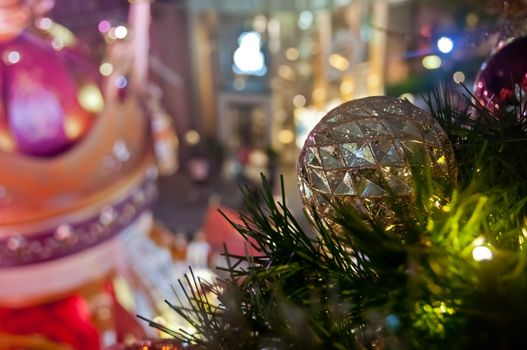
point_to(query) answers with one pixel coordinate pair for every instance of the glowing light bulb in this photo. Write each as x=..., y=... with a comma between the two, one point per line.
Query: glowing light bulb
x=106, y=69
x=299, y=101
x=248, y=59
x=292, y=54
x=44, y=23
x=192, y=137
x=339, y=62
x=57, y=44
x=432, y=62
x=445, y=44
x=459, y=77
x=286, y=136
x=12, y=57
x=72, y=128
x=6, y=145
x=481, y=253
x=90, y=98
x=121, y=32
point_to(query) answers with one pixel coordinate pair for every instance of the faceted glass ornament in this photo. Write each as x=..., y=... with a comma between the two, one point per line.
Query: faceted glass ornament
x=362, y=153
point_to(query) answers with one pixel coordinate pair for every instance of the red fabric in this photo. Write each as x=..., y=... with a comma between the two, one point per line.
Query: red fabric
x=65, y=321
x=218, y=231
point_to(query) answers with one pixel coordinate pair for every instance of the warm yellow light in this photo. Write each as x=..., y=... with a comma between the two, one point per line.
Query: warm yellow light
x=62, y=36
x=299, y=101
x=319, y=94
x=111, y=34
x=192, y=137
x=432, y=62
x=292, y=53
x=286, y=136
x=481, y=253
x=347, y=87
x=160, y=319
x=72, y=128
x=472, y=20
x=258, y=158
x=260, y=23
x=286, y=72
x=6, y=142
x=374, y=80
x=479, y=241
x=106, y=69
x=339, y=62
x=90, y=98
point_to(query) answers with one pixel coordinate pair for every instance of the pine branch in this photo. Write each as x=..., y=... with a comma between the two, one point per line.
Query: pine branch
x=359, y=285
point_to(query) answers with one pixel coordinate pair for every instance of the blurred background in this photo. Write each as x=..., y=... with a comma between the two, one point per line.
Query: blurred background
x=146, y=117
x=245, y=81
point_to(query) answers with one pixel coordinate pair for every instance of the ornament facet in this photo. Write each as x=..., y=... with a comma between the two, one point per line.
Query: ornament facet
x=360, y=154
x=503, y=77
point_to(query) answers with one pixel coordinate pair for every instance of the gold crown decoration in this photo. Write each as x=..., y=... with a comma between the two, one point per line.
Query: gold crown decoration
x=70, y=207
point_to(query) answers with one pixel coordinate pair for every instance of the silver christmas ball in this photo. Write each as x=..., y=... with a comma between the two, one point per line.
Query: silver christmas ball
x=361, y=154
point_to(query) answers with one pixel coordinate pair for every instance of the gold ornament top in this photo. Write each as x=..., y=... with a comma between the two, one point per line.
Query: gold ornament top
x=361, y=153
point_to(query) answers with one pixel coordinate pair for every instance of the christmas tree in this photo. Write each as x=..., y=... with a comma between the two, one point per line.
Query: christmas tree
x=419, y=231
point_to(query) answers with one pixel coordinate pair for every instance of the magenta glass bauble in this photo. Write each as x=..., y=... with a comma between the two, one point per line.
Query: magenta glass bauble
x=503, y=77
x=48, y=97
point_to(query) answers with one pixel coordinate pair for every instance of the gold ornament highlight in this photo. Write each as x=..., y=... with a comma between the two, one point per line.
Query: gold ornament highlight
x=361, y=154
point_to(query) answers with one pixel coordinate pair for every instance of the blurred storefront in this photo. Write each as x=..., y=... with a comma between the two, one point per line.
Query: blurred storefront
x=264, y=72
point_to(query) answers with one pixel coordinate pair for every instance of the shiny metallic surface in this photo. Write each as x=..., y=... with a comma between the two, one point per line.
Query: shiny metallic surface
x=362, y=153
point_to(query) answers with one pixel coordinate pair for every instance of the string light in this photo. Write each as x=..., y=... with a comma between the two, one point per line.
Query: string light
x=299, y=101
x=339, y=62
x=90, y=98
x=11, y=57
x=459, y=77
x=445, y=44
x=248, y=57
x=106, y=69
x=432, y=62
x=43, y=23
x=292, y=54
x=121, y=32
x=192, y=137
x=481, y=253
x=286, y=136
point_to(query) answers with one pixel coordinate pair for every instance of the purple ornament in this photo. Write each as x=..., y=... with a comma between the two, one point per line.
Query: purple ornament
x=503, y=77
x=41, y=96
